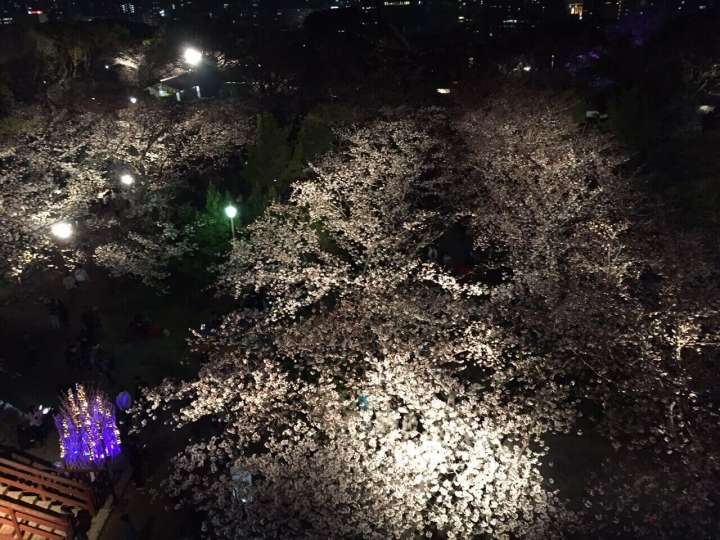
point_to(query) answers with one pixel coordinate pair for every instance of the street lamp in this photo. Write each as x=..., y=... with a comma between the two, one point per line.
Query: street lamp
x=192, y=56
x=62, y=230
x=133, y=100
x=443, y=91
x=231, y=212
x=127, y=179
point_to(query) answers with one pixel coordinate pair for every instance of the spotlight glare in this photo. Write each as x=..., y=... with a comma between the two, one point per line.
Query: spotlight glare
x=62, y=230
x=192, y=56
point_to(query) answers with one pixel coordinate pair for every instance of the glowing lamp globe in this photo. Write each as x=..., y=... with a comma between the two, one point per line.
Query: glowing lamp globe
x=127, y=179
x=192, y=56
x=231, y=211
x=62, y=230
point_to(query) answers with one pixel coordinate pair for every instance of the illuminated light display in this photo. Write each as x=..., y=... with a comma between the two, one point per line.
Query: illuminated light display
x=88, y=432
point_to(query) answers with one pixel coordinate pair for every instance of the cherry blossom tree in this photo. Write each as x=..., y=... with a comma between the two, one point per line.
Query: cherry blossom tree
x=353, y=361
x=70, y=168
x=440, y=299
x=626, y=306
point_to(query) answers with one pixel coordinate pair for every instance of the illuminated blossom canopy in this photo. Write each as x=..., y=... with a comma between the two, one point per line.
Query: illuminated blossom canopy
x=89, y=435
x=71, y=170
x=443, y=301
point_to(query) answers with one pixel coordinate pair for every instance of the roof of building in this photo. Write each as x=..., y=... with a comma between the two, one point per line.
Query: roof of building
x=188, y=80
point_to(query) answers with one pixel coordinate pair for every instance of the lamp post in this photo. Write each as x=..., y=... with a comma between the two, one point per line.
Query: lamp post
x=231, y=212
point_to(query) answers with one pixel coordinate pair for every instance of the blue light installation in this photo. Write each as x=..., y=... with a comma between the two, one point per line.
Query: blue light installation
x=88, y=432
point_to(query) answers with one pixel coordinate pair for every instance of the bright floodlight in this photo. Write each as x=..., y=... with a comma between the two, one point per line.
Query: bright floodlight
x=133, y=100
x=192, y=56
x=62, y=230
x=231, y=211
x=127, y=179
x=443, y=90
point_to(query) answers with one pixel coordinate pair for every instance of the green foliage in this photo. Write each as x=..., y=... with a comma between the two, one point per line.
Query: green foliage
x=332, y=114
x=635, y=118
x=279, y=157
x=157, y=53
x=37, y=58
x=213, y=229
x=688, y=175
x=315, y=139
x=266, y=164
x=211, y=233
x=12, y=126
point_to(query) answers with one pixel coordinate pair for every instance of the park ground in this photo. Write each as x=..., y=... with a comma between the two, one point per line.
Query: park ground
x=35, y=370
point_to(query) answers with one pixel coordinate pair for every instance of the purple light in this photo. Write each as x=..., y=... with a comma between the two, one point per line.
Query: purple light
x=123, y=401
x=88, y=432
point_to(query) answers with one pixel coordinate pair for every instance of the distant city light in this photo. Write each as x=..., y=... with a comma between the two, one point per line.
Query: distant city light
x=443, y=90
x=133, y=100
x=107, y=66
x=192, y=56
x=62, y=230
x=127, y=179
